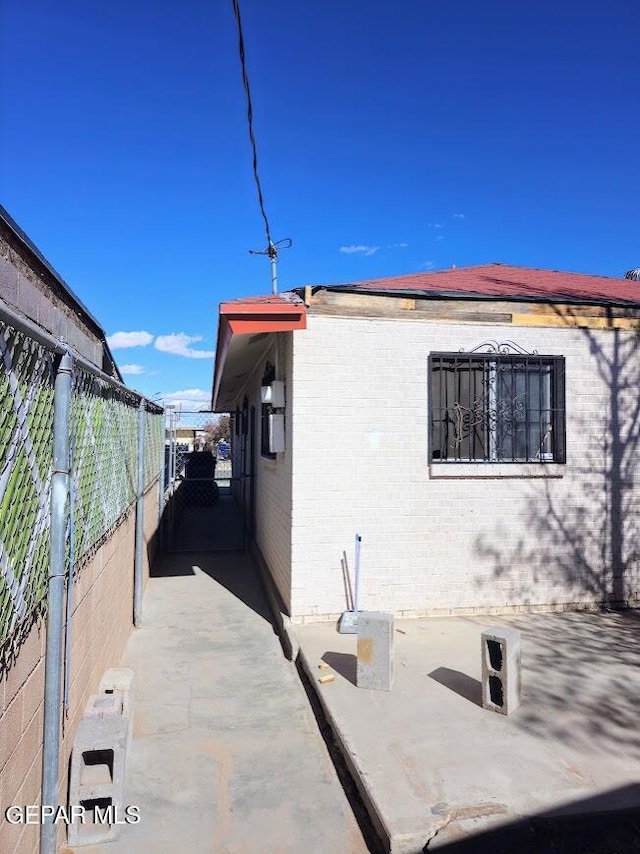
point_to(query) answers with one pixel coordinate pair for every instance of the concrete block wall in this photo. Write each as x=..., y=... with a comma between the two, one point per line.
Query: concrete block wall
x=101, y=623
x=438, y=538
x=22, y=287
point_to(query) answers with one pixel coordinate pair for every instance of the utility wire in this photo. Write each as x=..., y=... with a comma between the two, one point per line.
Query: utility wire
x=271, y=249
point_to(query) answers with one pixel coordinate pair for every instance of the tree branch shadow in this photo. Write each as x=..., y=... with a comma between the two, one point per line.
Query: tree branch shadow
x=581, y=545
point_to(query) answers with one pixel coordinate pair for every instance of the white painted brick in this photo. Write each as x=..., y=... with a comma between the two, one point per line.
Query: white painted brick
x=360, y=465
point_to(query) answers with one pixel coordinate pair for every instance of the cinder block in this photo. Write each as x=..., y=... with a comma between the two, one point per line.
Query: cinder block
x=98, y=762
x=104, y=705
x=120, y=679
x=8, y=281
x=375, y=651
x=501, y=669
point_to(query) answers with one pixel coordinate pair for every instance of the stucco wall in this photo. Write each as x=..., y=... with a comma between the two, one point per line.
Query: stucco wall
x=101, y=624
x=440, y=539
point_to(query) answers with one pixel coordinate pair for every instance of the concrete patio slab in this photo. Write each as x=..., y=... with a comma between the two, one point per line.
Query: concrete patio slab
x=435, y=767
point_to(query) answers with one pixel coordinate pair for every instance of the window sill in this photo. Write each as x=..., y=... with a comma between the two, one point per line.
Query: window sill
x=493, y=471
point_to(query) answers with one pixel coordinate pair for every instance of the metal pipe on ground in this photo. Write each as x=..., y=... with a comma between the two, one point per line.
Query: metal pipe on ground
x=55, y=602
x=137, y=567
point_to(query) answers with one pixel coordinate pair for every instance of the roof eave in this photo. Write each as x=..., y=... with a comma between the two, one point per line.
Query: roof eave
x=251, y=318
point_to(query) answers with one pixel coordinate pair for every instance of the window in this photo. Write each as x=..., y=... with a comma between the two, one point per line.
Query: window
x=496, y=407
x=268, y=377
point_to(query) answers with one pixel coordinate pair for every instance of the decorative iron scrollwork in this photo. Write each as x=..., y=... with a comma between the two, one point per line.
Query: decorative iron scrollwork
x=501, y=348
x=501, y=419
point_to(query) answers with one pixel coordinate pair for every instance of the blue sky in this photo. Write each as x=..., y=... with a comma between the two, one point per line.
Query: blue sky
x=393, y=138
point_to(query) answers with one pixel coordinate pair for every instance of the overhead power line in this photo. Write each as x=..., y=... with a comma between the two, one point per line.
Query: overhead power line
x=272, y=248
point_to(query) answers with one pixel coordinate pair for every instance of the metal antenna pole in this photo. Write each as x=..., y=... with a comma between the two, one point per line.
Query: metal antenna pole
x=273, y=258
x=272, y=252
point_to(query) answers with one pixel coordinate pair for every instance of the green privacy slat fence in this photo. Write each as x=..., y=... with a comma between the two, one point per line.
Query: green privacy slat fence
x=153, y=442
x=26, y=448
x=103, y=431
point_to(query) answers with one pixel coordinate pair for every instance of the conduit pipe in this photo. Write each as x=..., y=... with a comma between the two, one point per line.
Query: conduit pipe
x=137, y=567
x=55, y=602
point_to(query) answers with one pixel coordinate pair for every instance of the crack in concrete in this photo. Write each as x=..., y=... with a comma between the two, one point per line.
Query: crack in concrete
x=465, y=813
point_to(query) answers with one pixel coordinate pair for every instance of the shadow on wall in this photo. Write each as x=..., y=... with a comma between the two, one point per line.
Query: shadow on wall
x=583, y=533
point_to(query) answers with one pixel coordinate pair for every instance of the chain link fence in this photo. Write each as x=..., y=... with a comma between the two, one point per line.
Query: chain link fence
x=26, y=447
x=154, y=433
x=103, y=455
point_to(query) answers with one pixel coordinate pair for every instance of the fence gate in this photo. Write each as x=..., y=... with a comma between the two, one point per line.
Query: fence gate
x=200, y=512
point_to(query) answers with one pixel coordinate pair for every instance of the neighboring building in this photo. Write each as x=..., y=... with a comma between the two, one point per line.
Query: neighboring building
x=40, y=318
x=477, y=427
x=30, y=285
x=187, y=436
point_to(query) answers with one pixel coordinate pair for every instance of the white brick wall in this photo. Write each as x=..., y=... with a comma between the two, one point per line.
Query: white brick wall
x=273, y=477
x=360, y=464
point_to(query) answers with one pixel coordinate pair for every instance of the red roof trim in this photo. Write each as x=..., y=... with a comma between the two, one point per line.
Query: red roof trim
x=250, y=317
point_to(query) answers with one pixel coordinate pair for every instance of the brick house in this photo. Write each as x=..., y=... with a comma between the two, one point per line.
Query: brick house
x=41, y=318
x=477, y=427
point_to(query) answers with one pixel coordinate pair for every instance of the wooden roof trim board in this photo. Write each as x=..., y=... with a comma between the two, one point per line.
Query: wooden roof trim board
x=437, y=309
x=495, y=281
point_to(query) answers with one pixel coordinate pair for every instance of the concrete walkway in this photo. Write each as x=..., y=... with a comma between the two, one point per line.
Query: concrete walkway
x=226, y=757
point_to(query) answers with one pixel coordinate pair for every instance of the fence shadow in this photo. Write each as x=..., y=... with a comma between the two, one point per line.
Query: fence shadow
x=233, y=569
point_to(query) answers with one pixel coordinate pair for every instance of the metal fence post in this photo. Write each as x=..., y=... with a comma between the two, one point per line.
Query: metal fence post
x=55, y=602
x=172, y=477
x=139, y=537
x=163, y=476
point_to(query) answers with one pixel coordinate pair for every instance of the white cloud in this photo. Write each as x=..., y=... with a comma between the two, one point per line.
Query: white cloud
x=435, y=225
x=428, y=265
x=440, y=237
x=188, y=399
x=397, y=246
x=179, y=345
x=458, y=216
x=121, y=340
x=365, y=250
x=132, y=369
